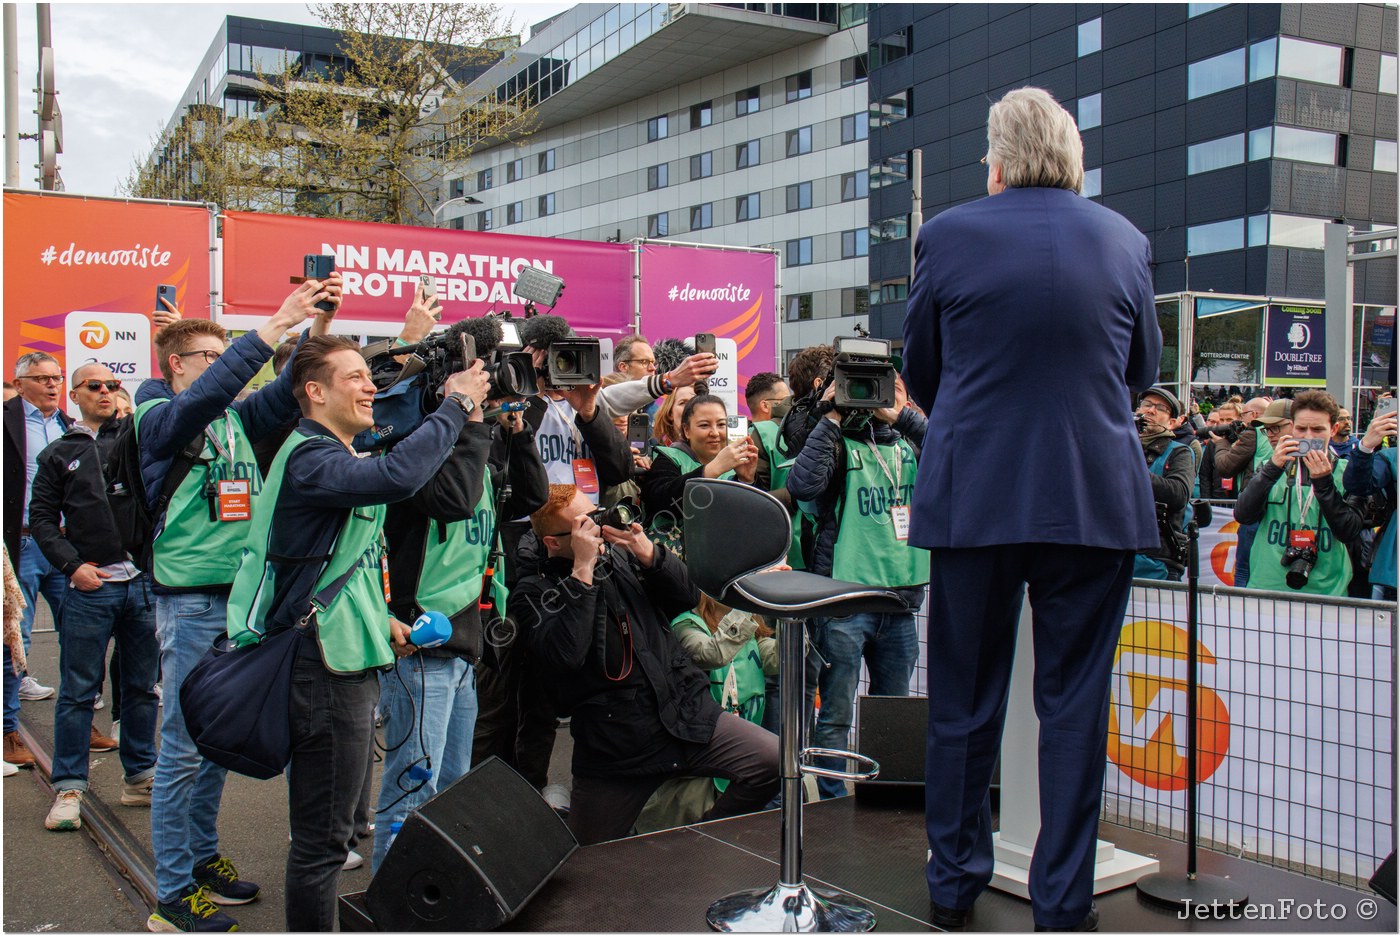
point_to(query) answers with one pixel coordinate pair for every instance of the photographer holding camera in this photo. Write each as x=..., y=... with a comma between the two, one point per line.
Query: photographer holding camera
x=597, y=609
x=1170, y=464
x=1371, y=473
x=1297, y=498
x=1222, y=428
x=855, y=474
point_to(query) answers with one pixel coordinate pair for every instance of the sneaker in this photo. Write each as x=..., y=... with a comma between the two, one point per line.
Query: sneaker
x=117, y=731
x=160, y=696
x=138, y=794
x=9, y=768
x=353, y=861
x=65, y=814
x=190, y=912
x=31, y=690
x=98, y=704
x=16, y=752
x=221, y=884
x=99, y=743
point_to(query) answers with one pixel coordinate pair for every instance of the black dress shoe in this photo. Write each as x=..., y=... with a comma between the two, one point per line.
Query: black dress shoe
x=946, y=918
x=1090, y=923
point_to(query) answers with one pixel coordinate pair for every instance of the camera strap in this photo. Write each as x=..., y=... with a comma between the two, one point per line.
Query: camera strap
x=1304, y=503
x=893, y=478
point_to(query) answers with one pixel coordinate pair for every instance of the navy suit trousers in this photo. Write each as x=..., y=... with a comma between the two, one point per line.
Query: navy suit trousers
x=1078, y=596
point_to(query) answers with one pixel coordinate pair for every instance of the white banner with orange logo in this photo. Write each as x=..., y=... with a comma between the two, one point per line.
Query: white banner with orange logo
x=1294, y=724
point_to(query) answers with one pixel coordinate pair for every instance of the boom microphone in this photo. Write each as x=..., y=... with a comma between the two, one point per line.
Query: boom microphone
x=486, y=332
x=541, y=331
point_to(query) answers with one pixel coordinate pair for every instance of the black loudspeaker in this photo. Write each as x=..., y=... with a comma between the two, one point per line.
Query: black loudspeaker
x=471, y=857
x=893, y=731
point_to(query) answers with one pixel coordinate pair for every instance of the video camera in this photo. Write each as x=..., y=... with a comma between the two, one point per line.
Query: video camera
x=571, y=360
x=864, y=373
x=438, y=356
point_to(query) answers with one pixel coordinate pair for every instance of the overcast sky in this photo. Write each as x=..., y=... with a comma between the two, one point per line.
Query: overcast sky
x=120, y=69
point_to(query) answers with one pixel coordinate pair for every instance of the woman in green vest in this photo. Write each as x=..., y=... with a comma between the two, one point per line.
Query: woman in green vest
x=704, y=450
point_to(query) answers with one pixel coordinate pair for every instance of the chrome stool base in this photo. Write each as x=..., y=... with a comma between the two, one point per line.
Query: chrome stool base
x=786, y=908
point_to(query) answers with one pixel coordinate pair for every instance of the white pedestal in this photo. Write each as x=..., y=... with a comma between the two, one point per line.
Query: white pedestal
x=1020, y=790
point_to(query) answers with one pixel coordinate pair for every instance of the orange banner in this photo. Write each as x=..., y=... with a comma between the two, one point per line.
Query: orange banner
x=81, y=273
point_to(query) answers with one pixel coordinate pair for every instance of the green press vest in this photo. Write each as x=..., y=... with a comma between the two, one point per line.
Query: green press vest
x=747, y=669
x=867, y=551
x=194, y=550
x=1330, y=575
x=353, y=629
x=454, y=560
x=779, y=464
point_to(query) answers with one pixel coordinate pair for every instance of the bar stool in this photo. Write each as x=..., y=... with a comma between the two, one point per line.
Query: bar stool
x=733, y=531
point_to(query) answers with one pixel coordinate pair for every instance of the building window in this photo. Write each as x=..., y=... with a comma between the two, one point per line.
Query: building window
x=1309, y=61
x=701, y=115
x=702, y=216
x=656, y=128
x=890, y=48
x=546, y=205
x=799, y=307
x=851, y=14
x=746, y=207
x=855, y=243
x=855, y=185
x=1263, y=59
x=889, y=290
x=889, y=171
x=1257, y=230
x=854, y=70
x=483, y=220
x=515, y=212
x=799, y=86
x=891, y=110
x=1384, y=160
x=799, y=141
x=1215, y=74
x=798, y=252
x=1287, y=230
x=1215, y=238
x=1090, y=111
x=657, y=176
x=457, y=224
x=546, y=161
x=701, y=166
x=483, y=180
x=888, y=229
x=1215, y=154
x=746, y=154
x=855, y=127
x=746, y=102
x=1386, y=85
x=799, y=196
x=515, y=170
x=1294, y=143
x=456, y=188
x=1196, y=9
x=855, y=301
x=1093, y=183
x=1090, y=36
x=659, y=225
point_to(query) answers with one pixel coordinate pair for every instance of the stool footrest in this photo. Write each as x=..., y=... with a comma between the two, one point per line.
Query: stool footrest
x=870, y=771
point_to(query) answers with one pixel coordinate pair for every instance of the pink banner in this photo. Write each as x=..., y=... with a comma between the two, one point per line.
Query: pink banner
x=732, y=293
x=381, y=264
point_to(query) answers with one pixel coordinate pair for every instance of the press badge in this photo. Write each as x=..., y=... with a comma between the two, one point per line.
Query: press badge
x=585, y=475
x=1302, y=538
x=900, y=516
x=235, y=501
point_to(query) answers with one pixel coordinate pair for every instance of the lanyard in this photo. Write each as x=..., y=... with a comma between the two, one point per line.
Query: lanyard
x=885, y=470
x=1304, y=505
x=226, y=454
x=567, y=420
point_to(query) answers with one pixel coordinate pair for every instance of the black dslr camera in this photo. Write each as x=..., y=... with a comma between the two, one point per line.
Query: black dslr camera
x=1299, y=562
x=621, y=516
x=864, y=373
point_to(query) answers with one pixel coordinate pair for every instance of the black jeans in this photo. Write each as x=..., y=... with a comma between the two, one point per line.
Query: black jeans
x=332, y=720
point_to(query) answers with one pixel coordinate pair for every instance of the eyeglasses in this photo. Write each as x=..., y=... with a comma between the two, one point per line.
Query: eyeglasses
x=46, y=379
x=1154, y=407
x=645, y=362
x=1274, y=429
x=209, y=356
x=95, y=386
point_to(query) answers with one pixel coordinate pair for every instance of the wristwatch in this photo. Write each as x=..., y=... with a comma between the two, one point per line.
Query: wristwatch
x=463, y=400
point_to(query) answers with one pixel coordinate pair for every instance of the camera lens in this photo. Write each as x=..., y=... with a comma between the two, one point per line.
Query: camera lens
x=862, y=389
x=566, y=362
x=624, y=515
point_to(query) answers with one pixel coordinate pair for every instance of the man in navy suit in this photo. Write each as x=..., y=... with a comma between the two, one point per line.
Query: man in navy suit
x=1031, y=310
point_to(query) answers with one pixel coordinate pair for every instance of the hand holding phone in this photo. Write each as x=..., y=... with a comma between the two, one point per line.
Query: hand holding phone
x=319, y=266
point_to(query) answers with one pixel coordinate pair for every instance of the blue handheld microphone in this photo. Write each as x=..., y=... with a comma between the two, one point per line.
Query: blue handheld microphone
x=430, y=630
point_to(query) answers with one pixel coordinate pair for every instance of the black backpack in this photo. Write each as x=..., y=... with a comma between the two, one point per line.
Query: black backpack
x=136, y=518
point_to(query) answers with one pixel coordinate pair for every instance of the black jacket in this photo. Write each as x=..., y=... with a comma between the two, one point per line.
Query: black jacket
x=16, y=475
x=450, y=496
x=1345, y=521
x=1173, y=487
x=72, y=487
x=639, y=705
x=612, y=456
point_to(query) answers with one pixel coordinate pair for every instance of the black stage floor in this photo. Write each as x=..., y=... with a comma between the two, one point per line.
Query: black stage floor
x=664, y=882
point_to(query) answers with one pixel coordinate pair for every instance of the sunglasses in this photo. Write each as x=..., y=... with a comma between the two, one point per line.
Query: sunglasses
x=95, y=386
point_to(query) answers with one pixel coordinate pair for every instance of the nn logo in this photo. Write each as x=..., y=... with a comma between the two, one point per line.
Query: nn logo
x=94, y=335
x=1147, y=727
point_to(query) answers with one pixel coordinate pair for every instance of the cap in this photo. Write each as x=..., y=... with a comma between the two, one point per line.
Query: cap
x=1280, y=410
x=1165, y=395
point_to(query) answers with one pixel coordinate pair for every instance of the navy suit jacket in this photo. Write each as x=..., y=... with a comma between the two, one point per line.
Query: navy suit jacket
x=1030, y=323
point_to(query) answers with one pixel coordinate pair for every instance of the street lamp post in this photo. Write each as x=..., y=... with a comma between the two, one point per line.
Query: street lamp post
x=464, y=199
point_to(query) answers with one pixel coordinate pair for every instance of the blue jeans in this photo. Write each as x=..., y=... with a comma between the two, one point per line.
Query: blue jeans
x=36, y=576
x=1244, y=541
x=889, y=644
x=120, y=609
x=438, y=694
x=185, y=800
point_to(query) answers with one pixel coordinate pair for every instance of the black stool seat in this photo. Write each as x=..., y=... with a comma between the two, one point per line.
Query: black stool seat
x=801, y=594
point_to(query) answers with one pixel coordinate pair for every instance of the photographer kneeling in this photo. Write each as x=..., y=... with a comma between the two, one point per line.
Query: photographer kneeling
x=316, y=553
x=598, y=621
x=1172, y=471
x=1297, y=498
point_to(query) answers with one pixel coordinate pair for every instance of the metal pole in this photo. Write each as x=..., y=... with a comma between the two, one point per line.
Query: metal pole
x=791, y=688
x=916, y=206
x=1337, y=289
x=41, y=13
x=11, y=96
x=1193, y=600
